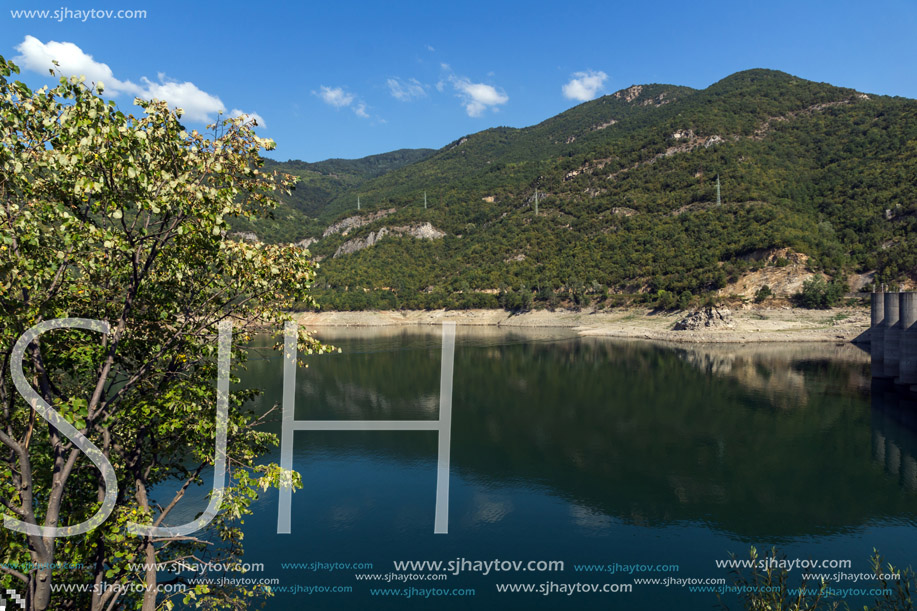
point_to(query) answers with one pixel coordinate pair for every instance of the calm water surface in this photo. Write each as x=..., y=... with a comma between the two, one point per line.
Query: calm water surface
x=589, y=451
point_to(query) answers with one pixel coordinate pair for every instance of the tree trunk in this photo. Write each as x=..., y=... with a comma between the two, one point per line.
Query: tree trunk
x=149, y=597
x=40, y=579
x=98, y=601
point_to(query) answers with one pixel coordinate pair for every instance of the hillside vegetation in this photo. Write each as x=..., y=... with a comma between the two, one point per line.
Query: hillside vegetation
x=307, y=211
x=627, y=200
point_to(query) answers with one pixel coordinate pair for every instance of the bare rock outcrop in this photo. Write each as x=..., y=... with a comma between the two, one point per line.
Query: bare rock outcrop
x=783, y=272
x=421, y=232
x=244, y=236
x=714, y=139
x=657, y=101
x=630, y=94
x=706, y=318
x=352, y=222
x=426, y=231
x=604, y=125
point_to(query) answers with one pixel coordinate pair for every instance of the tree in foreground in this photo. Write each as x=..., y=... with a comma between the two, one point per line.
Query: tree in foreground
x=123, y=219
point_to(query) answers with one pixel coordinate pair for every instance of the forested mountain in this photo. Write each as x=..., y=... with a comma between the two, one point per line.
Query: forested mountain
x=305, y=213
x=627, y=200
x=319, y=183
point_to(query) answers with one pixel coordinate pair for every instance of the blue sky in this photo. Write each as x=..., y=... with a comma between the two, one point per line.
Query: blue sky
x=347, y=79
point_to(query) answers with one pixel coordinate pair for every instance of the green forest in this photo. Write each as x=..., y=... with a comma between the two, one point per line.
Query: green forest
x=627, y=207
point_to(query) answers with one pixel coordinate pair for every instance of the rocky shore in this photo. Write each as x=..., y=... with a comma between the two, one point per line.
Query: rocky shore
x=782, y=324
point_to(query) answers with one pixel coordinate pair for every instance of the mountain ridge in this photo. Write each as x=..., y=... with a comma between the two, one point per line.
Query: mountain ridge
x=627, y=201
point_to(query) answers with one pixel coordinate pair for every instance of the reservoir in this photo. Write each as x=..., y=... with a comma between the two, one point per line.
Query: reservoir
x=625, y=461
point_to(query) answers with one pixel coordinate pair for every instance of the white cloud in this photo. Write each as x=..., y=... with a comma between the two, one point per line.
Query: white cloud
x=478, y=97
x=588, y=518
x=584, y=86
x=38, y=57
x=405, y=90
x=430, y=48
x=335, y=96
x=198, y=105
x=339, y=98
x=491, y=509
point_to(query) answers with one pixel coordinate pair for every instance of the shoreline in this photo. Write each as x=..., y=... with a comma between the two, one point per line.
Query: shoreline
x=752, y=325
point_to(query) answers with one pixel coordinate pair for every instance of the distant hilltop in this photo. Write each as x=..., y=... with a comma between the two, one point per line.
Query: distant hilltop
x=655, y=193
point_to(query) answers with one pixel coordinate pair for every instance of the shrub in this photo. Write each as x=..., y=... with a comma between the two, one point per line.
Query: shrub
x=684, y=300
x=817, y=293
x=769, y=587
x=763, y=293
x=666, y=300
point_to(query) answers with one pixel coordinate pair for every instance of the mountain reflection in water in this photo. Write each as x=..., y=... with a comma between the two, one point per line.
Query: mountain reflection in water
x=587, y=450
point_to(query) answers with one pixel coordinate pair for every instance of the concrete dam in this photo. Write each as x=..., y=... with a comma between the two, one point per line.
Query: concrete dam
x=893, y=338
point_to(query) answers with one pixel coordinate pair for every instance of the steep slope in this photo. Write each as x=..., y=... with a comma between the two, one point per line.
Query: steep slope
x=305, y=213
x=503, y=157
x=320, y=183
x=628, y=199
